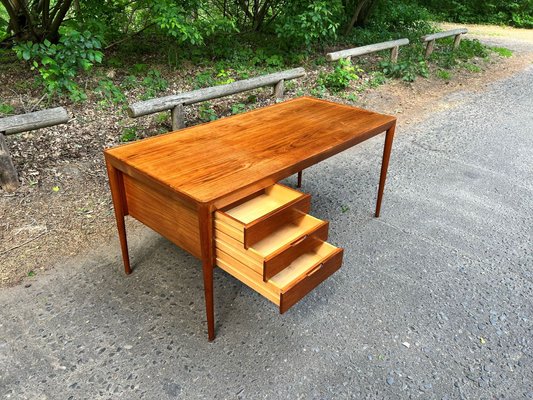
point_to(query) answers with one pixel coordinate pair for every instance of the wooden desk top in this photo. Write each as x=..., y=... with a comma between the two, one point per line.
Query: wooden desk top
x=207, y=162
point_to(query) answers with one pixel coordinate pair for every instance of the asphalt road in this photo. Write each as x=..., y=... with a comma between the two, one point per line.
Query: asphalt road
x=434, y=299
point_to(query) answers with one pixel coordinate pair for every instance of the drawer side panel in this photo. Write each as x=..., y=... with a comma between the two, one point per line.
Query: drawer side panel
x=173, y=218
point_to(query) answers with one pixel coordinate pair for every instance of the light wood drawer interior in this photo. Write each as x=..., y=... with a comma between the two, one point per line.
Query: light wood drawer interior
x=291, y=284
x=256, y=216
x=273, y=253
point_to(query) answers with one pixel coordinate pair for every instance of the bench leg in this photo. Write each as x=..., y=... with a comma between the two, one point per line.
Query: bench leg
x=429, y=48
x=456, y=41
x=206, y=240
x=384, y=166
x=299, y=184
x=9, y=179
x=116, y=184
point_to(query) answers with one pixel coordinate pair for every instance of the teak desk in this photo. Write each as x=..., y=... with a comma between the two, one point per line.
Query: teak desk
x=187, y=184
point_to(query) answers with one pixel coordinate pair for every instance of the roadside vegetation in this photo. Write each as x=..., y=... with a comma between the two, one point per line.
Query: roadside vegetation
x=112, y=51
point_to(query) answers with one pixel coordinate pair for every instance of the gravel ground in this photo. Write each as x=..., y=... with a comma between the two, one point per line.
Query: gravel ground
x=434, y=299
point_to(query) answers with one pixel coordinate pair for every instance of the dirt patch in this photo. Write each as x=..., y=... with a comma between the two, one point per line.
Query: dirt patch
x=63, y=207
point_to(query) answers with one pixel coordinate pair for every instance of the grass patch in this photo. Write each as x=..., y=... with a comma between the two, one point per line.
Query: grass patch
x=444, y=74
x=502, y=51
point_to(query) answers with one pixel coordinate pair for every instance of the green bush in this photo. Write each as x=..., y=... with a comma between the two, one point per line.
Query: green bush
x=305, y=23
x=59, y=64
x=341, y=76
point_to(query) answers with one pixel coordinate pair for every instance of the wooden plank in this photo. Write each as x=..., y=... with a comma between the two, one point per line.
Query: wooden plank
x=169, y=102
x=440, y=35
x=174, y=219
x=34, y=120
x=372, y=48
x=9, y=180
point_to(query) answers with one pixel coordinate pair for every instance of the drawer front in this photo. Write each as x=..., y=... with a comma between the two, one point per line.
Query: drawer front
x=302, y=276
x=276, y=251
x=287, y=254
x=311, y=280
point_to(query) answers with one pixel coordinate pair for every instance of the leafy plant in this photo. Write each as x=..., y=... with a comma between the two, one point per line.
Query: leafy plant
x=129, y=82
x=59, y=64
x=238, y=108
x=407, y=70
x=110, y=93
x=309, y=22
x=207, y=113
x=341, y=76
x=224, y=77
x=204, y=79
x=471, y=67
x=6, y=109
x=443, y=74
x=154, y=83
x=129, y=134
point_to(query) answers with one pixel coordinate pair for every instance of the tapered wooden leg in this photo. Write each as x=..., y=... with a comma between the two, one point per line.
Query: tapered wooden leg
x=206, y=238
x=385, y=165
x=117, y=193
x=299, y=184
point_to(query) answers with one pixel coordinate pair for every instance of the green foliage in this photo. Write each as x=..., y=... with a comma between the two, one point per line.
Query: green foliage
x=59, y=64
x=403, y=16
x=6, y=109
x=406, y=69
x=444, y=74
x=342, y=75
x=238, y=108
x=307, y=22
x=110, y=93
x=224, y=77
x=129, y=134
x=153, y=83
x=517, y=12
x=502, y=51
x=471, y=67
x=207, y=113
x=446, y=57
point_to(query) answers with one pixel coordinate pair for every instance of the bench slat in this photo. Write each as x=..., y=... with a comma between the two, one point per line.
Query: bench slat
x=34, y=120
x=372, y=48
x=195, y=96
x=440, y=35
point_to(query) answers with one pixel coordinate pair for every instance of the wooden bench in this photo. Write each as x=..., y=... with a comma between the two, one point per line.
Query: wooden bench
x=23, y=123
x=175, y=103
x=430, y=39
x=394, y=45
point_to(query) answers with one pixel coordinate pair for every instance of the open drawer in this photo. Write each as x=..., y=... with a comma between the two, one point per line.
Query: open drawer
x=291, y=284
x=256, y=216
x=276, y=251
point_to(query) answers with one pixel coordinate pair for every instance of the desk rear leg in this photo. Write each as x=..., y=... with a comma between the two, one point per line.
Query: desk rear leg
x=116, y=184
x=384, y=166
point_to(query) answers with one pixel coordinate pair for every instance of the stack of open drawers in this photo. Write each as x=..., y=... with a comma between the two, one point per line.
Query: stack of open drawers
x=270, y=243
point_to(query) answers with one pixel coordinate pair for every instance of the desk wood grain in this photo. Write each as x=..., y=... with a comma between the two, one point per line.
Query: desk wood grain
x=206, y=163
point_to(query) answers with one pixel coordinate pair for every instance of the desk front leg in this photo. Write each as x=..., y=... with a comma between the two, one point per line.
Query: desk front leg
x=206, y=240
x=116, y=184
x=385, y=165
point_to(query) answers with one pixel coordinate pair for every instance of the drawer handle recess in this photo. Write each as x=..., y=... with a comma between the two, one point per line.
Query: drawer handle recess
x=298, y=241
x=318, y=267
